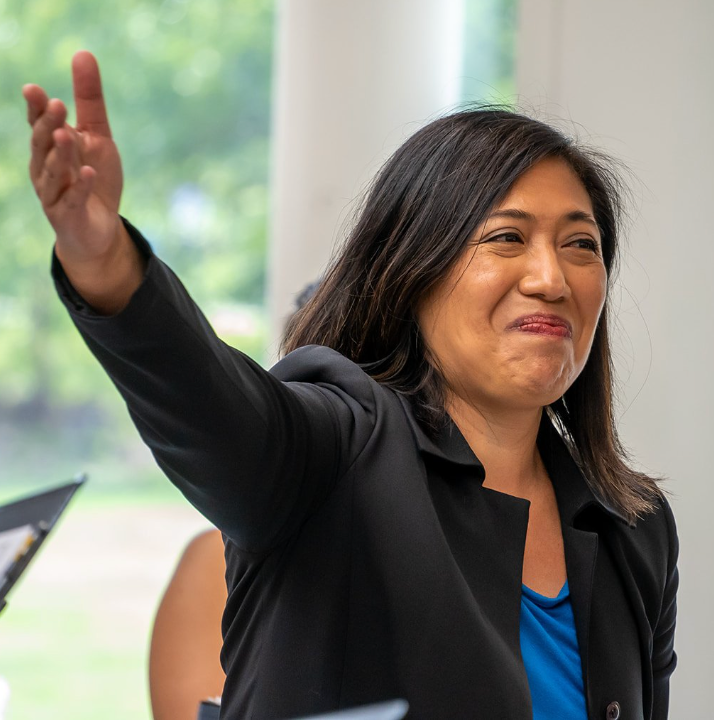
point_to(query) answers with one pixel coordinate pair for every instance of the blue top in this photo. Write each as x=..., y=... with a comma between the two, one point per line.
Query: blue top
x=550, y=653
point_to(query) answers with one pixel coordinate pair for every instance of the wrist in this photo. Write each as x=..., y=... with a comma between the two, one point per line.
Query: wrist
x=106, y=281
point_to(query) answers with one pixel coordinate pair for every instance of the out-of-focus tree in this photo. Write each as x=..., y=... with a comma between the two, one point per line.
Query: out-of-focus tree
x=188, y=85
x=489, y=58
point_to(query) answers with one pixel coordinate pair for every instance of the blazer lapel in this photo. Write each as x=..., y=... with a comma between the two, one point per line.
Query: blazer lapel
x=582, y=515
x=580, y=557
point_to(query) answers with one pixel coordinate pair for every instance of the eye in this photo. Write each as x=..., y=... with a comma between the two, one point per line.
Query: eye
x=585, y=244
x=509, y=237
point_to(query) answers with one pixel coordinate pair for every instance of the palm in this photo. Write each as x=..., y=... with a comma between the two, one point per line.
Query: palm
x=77, y=175
x=93, y=224
x=76, y=171
x=101, y=153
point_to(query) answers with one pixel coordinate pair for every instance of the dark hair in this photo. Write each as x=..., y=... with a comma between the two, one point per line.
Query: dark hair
x=421, y=211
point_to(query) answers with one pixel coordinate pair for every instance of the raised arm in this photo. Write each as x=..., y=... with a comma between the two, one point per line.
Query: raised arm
x=254, y=454
x=77, y=175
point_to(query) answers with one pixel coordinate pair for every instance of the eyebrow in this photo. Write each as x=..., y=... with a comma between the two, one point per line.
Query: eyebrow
x=572, y=216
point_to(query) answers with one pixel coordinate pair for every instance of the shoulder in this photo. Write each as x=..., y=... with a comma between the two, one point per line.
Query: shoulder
x=320, y=364
x=651, y=549
x=656, y=532
x=202, y=564
x=334, y=374
x=205, y=548
x=358, y=405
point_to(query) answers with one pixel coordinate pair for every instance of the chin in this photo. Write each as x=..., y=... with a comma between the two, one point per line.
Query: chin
x=543, y=388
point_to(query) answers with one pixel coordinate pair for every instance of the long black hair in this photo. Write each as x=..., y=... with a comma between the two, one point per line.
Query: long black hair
x=421, y=211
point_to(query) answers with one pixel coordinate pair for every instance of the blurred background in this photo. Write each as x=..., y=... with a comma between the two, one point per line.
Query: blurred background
x=249, y=129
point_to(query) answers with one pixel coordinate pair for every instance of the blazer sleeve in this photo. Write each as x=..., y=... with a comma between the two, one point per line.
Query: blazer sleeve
x=254, y=454
x=664, y=658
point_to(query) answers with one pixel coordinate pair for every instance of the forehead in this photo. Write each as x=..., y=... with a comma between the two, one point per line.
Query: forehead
x=550, y=187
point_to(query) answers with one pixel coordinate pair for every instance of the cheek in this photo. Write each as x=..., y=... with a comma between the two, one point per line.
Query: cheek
x=595, y=300
x=592, y=303
x=456, y=319
x=451, y=333
x=428, y=317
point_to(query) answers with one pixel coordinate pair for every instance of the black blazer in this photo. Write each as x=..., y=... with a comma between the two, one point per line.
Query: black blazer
x=366, y=561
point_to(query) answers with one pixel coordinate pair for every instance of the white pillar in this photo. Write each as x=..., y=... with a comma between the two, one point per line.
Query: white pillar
x=637, y=76
x=353, y=79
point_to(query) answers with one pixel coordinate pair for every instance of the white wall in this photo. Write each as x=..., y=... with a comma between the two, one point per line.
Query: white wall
x=353, y=80
x=637, y=76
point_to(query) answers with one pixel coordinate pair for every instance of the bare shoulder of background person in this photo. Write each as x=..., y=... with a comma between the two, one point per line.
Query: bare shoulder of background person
x=184, y=661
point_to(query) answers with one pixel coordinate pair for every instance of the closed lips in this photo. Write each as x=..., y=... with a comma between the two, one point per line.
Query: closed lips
x=543, y=324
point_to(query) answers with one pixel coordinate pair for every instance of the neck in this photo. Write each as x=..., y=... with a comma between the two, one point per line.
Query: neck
x=505, y=443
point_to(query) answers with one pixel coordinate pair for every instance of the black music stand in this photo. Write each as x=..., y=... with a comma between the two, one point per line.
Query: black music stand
x=24, y=525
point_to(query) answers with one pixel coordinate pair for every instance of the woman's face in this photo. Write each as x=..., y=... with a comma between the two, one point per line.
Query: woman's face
x=512, y=323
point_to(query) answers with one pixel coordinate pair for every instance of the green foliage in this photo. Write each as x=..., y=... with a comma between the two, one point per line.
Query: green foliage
x=188, y=87
x=489, y=59
x=187, y=83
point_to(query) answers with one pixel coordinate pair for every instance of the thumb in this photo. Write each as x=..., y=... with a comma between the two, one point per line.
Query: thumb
x=88, y=97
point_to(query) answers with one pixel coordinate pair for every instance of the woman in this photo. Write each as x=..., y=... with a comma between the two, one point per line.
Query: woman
x=429, y=500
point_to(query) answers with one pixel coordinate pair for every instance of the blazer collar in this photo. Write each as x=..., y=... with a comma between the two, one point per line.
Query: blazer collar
x=572, y=490
x=447, y=444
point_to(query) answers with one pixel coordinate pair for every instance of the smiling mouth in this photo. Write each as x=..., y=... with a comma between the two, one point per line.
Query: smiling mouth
x=550, y=325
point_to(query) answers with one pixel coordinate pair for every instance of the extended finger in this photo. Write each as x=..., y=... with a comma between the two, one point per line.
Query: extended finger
x=51, y=119
x=88, y=96
x=61, y=169
x=36, y=99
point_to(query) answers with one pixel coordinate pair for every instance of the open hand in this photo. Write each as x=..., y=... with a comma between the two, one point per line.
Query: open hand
x=77, y=175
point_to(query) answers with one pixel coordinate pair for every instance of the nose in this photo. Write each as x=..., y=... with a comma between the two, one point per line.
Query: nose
x=544, y=275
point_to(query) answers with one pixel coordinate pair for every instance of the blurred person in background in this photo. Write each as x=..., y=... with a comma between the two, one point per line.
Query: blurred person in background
x=184, y=656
